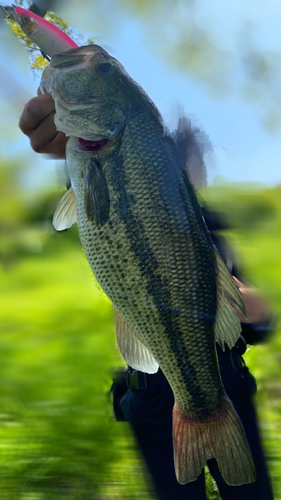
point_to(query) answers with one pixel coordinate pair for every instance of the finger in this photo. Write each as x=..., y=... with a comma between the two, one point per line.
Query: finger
x=36, y=110
x=240, y=316
x=238, y=282
x=56, y=147
x=43, y=133
x=48, y=140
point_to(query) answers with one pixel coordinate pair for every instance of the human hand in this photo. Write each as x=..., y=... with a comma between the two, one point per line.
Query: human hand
x=37, y=122
x=257, y=309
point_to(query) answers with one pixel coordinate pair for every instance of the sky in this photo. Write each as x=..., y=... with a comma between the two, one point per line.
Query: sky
x=240, y=116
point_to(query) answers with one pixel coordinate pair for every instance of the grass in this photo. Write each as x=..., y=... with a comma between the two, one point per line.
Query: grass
x=58, y=437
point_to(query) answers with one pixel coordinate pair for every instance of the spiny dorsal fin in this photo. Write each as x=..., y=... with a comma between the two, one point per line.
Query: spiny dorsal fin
x=96, y=195
x=227, y=326
x=65, y=214
x=134, y=352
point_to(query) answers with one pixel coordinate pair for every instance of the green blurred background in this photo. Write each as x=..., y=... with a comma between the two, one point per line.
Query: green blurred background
x=58, y=436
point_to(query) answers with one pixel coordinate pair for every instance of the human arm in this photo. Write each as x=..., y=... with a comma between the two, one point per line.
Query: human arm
x=256, y=308
x=258, y=324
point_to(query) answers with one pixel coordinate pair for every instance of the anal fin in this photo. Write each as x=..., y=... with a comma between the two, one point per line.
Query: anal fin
x=219, y=435
x=132, y=349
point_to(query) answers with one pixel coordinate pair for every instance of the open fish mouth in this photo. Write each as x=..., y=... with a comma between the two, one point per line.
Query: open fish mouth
x=91, y=145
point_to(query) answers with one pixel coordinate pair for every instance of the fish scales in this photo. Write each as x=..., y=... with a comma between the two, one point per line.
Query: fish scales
x=144, y=236
x=145, y=251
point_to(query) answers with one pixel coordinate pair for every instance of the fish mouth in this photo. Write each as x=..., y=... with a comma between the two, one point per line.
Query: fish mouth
x=90, y=146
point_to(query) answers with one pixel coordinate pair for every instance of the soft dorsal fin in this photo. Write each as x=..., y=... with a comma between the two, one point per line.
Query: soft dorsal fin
x=96, y=195
x=65, y=214
x=227, y=326
x=132, y=349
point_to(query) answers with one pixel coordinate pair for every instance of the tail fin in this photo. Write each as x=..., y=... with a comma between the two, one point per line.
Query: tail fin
x=220, y=436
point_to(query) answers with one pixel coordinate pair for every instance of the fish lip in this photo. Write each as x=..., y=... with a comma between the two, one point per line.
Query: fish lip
x=76, y=106
x=75, y=132
x=73, y=106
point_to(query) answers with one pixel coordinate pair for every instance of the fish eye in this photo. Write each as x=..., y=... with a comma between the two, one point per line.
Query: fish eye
x=25, y=19
x=106, y=68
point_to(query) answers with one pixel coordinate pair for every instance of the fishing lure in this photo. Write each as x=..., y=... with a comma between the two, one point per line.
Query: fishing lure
x=50, y=39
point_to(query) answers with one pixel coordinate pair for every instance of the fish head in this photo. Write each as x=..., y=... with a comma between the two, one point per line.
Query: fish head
x=89, y=89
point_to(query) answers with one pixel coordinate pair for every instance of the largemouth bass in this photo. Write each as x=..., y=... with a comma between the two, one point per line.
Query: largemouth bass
x=146, y=241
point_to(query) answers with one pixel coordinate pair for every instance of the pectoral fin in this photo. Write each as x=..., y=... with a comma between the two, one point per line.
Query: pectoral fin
x=132, y=349
x=96, y=195
x=65, y=214
x=227, y=326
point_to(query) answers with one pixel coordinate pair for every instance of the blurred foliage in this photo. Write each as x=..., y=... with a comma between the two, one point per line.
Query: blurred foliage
x=58, y=436
x=246, y=206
